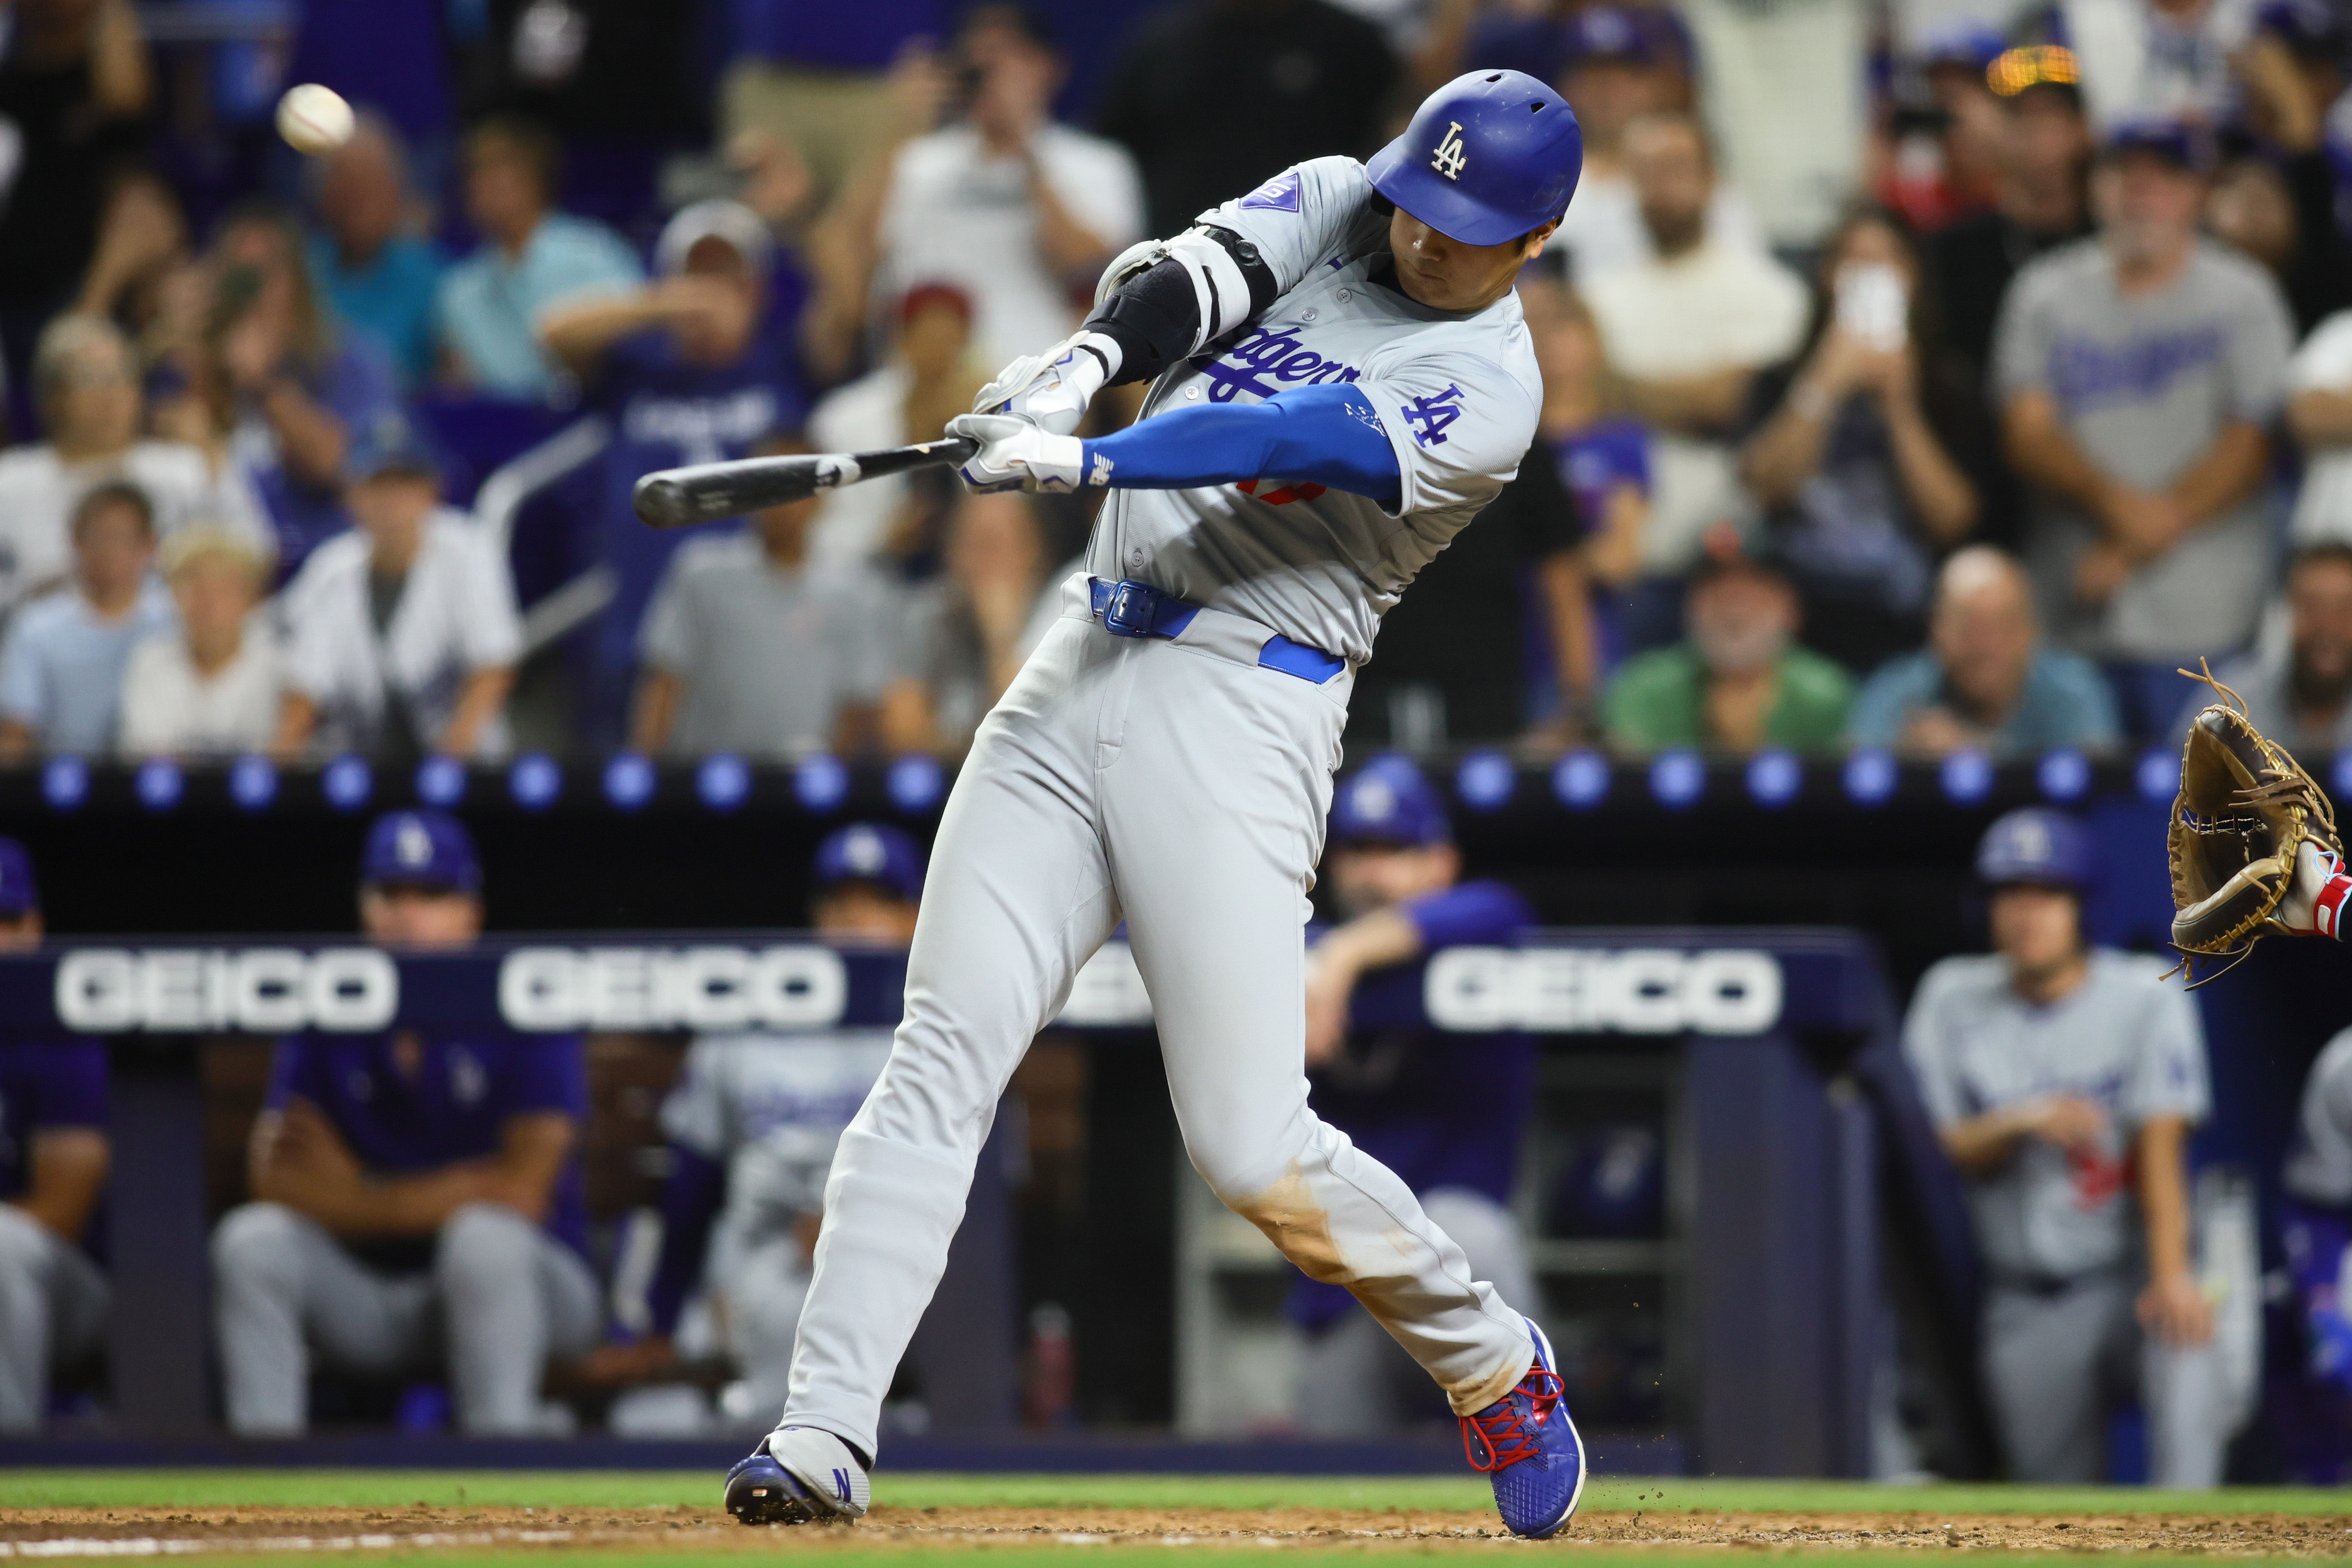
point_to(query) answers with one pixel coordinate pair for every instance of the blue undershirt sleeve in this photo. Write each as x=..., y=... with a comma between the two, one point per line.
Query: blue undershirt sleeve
x=691, y=1199
x=1326, y=434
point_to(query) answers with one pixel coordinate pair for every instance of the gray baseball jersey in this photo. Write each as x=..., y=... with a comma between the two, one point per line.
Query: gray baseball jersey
x=771, y=1109
x=1457, y=396
x=2123, y=1038
x=2319, y=1166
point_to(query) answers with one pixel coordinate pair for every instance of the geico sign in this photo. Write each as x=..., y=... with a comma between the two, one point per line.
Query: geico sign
x=1638, y=991
x=256, y=990
x=671, y=988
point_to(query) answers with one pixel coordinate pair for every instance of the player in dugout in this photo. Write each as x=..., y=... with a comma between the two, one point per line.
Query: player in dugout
x=2063, y=1079
x=53, y=1165
x=417, y=1201
x=1340, y=381
x=1420, y=1101
x=751, y=1125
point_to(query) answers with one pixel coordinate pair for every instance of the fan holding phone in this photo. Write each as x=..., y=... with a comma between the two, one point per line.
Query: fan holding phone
x=1861, y=466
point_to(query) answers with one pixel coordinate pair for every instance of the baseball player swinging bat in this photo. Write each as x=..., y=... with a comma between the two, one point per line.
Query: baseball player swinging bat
x=705, y=493
x=1340, y=378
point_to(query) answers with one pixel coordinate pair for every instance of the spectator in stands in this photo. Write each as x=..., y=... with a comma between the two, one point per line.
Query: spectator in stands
x=843, y=245
x=2138, y=376
x=402, y=630
x=276, y=375
x=750, y=648
x=2282, y=209
x=1769, y=66
x=2039, y=201
x=416, y=1196
x=1017, y=210
x=1315, y=79
x=1615, y=69
x=2300, y=694
x=143, y=250
x=87, y=380
x=381, y=272
x=75, y=83
x=1986, y=680
x=61, y=666
x=53, y=1163
x=2158, y=59
x=692, y=368
x=965, y=634
x=1500, y=621
x=752, y=1126
x=1861, y=464
x=930, y=378
x=1686, y=333
x=532, y=260
x=1602, y=453
x=1422, y=1101
x=2319, y=413
x=1946, y=168
x=214, y=685
x=1739, y=682
x=2064, y=1080
x=817, y=78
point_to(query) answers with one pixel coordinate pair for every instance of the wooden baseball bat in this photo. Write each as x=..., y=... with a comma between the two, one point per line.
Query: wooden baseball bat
x=704, y=493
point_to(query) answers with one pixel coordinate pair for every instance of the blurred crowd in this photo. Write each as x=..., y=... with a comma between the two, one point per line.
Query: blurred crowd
x=1927, y=376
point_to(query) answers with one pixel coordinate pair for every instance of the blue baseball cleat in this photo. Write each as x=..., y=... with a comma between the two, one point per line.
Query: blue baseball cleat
x=1526, y=1442
x=796, y=1475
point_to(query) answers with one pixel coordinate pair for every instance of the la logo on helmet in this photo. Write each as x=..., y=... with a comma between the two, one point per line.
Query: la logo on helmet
x=1451, y=153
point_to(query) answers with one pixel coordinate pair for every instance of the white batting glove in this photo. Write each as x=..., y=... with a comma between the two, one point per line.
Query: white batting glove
x=1016, y=455
x=1051, y=390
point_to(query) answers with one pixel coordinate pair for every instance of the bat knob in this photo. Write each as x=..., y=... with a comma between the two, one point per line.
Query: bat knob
x=662, y=502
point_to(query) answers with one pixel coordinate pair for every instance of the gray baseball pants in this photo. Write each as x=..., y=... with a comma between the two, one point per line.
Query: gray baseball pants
x=1353, y=1381
x=1183, y=786
x=2056, y=1363
x=764, y=1293
x=502, y=1296
x=53, y=1303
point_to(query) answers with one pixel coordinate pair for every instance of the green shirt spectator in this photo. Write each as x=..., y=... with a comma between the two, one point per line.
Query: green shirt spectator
x=1658, y=701
x=1738, y=681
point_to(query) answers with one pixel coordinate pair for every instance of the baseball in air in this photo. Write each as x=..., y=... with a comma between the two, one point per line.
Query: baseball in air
x=314, y=119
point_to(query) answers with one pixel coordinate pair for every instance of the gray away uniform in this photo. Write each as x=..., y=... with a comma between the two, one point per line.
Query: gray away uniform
x=2319, y=1166
x=1183, y=786
x=769, y=1108
x=2060, y=1233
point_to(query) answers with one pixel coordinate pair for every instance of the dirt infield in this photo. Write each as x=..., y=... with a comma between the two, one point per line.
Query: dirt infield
x=121, y=1532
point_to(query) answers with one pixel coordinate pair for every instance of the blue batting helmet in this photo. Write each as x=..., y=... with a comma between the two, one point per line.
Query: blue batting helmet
x=2035, y=845
x=1488, y=157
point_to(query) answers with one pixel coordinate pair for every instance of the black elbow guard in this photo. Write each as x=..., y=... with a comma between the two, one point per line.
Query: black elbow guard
x=1158, y=316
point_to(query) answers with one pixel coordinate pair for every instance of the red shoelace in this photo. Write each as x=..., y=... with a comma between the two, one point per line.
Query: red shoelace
x=1508, y=1439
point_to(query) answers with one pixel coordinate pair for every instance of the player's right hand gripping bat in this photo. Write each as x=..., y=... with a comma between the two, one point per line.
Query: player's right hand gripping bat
x=705, y=493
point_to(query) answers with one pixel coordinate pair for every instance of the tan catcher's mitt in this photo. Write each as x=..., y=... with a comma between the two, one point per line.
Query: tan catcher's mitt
x=2240, y=869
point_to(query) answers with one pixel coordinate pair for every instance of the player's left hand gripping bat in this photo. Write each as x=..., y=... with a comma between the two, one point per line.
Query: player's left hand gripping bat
x=704, y=493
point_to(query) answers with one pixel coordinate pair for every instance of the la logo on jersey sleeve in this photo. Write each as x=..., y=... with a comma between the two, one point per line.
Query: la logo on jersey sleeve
x=1451, y=154
x=1430, y=416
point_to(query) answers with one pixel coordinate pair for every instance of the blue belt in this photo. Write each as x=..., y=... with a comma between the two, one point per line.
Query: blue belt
x=1133, y=609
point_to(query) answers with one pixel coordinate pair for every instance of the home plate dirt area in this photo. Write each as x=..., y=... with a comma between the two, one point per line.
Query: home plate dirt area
x=1655, y=1521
